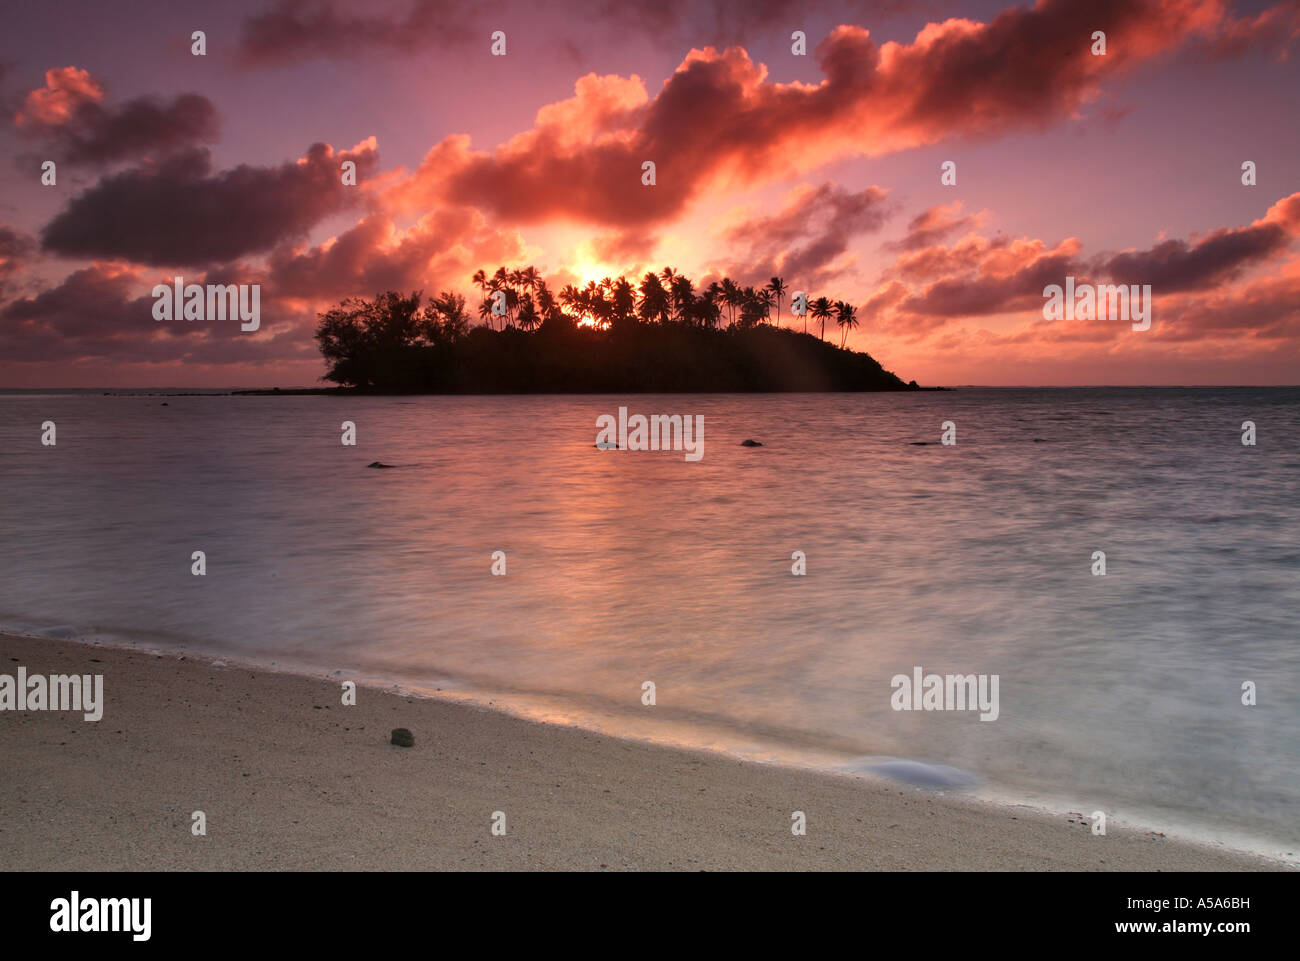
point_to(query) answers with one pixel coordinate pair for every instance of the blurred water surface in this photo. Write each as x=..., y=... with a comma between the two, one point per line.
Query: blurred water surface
x=1120, y=693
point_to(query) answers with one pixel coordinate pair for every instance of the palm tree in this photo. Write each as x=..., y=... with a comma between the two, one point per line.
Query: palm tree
x=450, y=306
x=623, y=303
x=512, y=305
x=571, y=297
x=501, y=281
x=707, y=308
x=545, y=301
x=731, y=296
x=683, y=292
x=659, y=298
x=594, y=295
x=846, y=315
x=528, y=316
x=753, y=308
x=777, y=288
x=821, y=310
x=654, y=299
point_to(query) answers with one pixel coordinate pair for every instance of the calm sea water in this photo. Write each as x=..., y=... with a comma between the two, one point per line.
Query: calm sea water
x=1119, y=693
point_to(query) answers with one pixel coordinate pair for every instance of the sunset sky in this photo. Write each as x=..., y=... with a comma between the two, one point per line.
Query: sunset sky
x=824, y=169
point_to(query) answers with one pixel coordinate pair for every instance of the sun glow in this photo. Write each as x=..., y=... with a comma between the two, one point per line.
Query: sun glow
x=590, y=271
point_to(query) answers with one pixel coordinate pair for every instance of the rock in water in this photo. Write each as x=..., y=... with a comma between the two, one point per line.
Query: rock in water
x=375, y=463
x=750, y=443
x=402, y=737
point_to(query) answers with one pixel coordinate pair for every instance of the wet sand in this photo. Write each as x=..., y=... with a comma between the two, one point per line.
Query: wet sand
x=289, y=778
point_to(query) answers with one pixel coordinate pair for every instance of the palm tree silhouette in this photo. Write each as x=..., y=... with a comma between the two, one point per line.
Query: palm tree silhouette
x=446, y=313
x=683, y=293
x=528, y=317
x=821, y=310
x=545, y=301
x=571, y=297
x=846, y=315
x=777, y=287
x=654, y=299
x=661, y=297
x=707, y=307
x=731, y=296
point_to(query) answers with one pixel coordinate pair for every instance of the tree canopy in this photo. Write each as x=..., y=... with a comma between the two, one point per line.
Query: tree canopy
x=661, y=334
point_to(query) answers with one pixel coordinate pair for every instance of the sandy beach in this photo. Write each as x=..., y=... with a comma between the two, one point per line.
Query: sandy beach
x=289, y=778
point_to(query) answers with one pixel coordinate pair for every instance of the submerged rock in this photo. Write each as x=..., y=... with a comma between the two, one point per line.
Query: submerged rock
x=402, y=737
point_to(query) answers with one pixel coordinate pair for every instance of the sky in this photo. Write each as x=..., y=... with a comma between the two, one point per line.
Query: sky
x=821, y=165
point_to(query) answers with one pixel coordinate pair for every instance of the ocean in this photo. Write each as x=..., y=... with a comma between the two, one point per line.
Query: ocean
x=1120, y=693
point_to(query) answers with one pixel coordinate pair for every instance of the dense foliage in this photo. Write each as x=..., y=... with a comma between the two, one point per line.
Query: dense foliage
x=609, y=337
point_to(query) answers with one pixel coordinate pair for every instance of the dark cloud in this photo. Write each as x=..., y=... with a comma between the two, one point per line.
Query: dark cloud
x=936, y=224
x=145, y=127
x=1267, y=308
x=722, y=23
x=16, y=250
x=983, y=295
x=980, y=277
x=1174, y=265
x=178, y=212
x=106, y=312
x=803, y=240
x=69, y=115
x=304, y=29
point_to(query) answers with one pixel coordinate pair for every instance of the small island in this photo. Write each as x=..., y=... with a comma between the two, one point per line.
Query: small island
x=661, y=335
